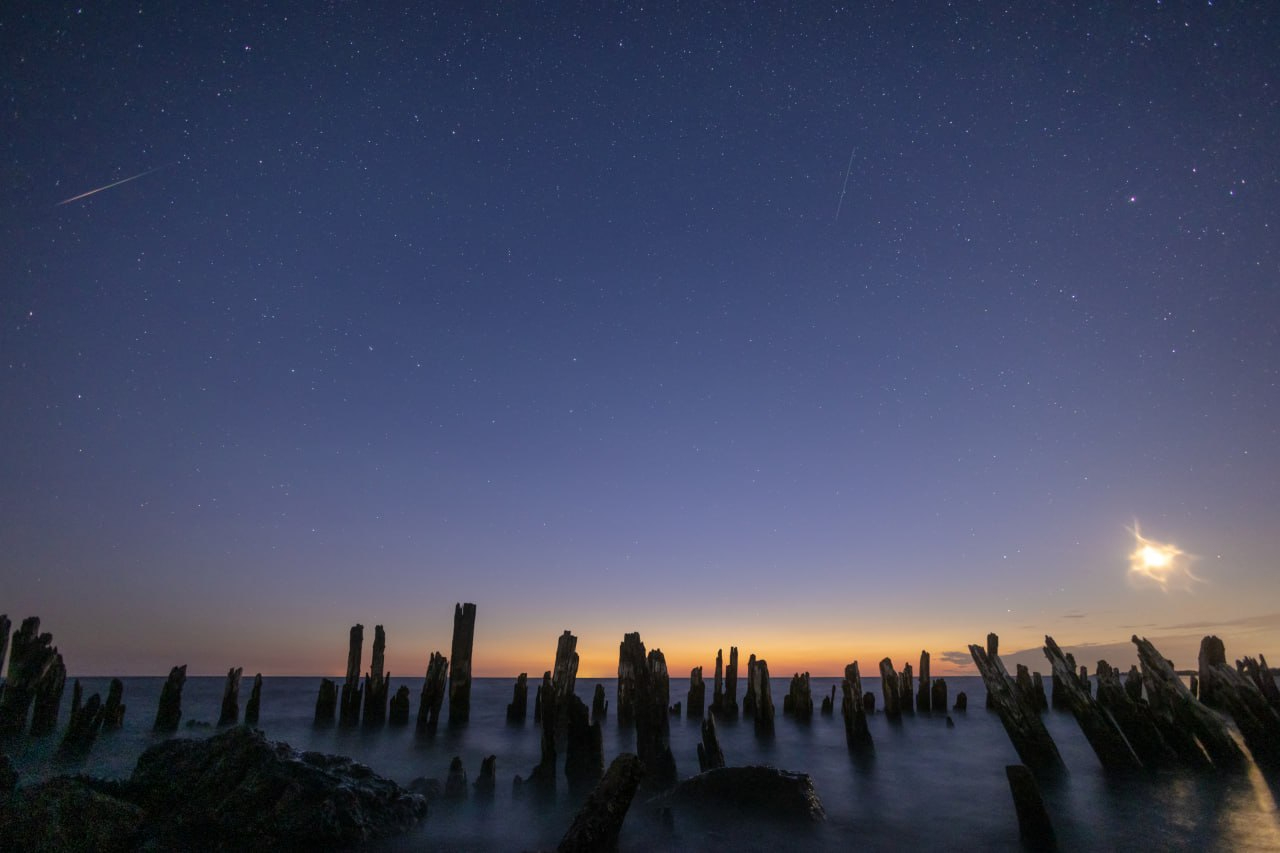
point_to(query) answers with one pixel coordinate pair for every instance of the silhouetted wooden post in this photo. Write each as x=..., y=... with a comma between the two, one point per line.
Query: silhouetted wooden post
x=924, y=698
x=652, y=688
x=5, y=626
x=856, y=734
x=398, y=708
x=376, y=682
x=717, y=695
x=113, y=710
x=254, y=704
x=1034, y=825
x=487, y=782
x=32, y=656
x=464, y=634
x=906, y=690
x=1108, y=743
x=349, y=710
x=962, y=702
x=326, y=702
x=730, y=709
x=599, y=705
x=829, y=703
x=169, y=711
x=433, y=690
x=889, y=683
x=82, y=728
x=597, y=824
x=542, y=779
x=1021, y=721
x=564, y=673
x=518, y=709
x=764, y=699
x=799, y=699
x=993, y=652
x=627, y=679
x=231, y=698
x=697, y=699
x=938, y=695
x=1238, y=696
x=1136, y=722
x=48, y=698
x=1260, y=674
x=584, y=746
x=710, y=755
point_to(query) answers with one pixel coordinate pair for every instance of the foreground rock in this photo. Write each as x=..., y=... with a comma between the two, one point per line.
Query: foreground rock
x=235, y=790
x=760, y=793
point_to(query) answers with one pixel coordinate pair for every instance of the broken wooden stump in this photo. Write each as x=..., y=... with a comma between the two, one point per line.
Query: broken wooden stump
x=1133, y=683
x=464, y=634
x=1183, y=716
x=1037, y=692
x=674, y=710
x=1134, y=720
x=906, y=690
x=433, y=690
x=48, y=698
x=113, y=710
x=627, y=676
x=1212, y=653
x=710, y=755
x=486, y=783
x=724, y=700
x=597, y=824
x=764, y=699
x=799, y=699
x=254, y=705
x=652, y=687
x=82, y=727
x=938, y=695
x=542, y=779
x=326, y=702
x=518, y=707
x=169, y=711
x=856, y=734
x=1257, y=721
x=1098, y=726
x=31, y=658
x=749, y=700
x=376, y=683
x=230, y=714
x=455, y=784
x=584, y=747
x=697, y=698
x=349, y=704
x=1034, y=826
x=924, y=695
x=1262, y=678
x=993, y=652
x=1021, y=721
x=869, y=703
x=889, y=684
x=398, y=708
x=829, y=703
x=599, y=705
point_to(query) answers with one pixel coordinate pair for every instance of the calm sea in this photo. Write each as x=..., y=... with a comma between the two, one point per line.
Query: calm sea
x=929, y=787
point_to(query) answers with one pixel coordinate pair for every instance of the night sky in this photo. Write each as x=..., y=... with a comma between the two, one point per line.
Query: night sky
x=825, y=332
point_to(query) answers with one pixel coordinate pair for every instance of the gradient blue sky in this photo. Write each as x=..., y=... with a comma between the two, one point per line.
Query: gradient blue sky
x=828, y=332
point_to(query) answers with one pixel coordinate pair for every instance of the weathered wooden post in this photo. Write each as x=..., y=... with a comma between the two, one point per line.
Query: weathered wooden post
x=32, y=658
x=169, y=711
x=487, y=782
x=1034, y=825
x=464, y=633
x=710, y=755
x=5, y=625
x=627, y=676
x=584, y=747
x=1136, y=721
x=924, y=695
x=652, y=693
x=856, y=734
x=1212, y=652
x=1021, y=721
x=889, y=684
x=113, y=710
x=599, y=705
x=799, y=699
x=349, y=708
x=433, y=690
x=597, y=824
x=906, y=690
x=1238, y=696
x=48, y=698
x=376, y=682
x=398, y=708
x=564, y=674
x=751, y=699
x=254, y=704
x=82, y=728
x=764, y=699
x=1108, y=743
x=326, y=702
x=697, y=699
x=518, y=709
x=231, y=698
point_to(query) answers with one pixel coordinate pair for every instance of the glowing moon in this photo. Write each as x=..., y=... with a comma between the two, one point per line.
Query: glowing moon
x=1159, y=563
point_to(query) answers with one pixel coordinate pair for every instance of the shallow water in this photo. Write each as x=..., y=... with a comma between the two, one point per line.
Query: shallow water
x=928, y=786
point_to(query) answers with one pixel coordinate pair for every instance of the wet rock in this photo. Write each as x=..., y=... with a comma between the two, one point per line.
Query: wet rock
x=67, y=813
x=748, y=793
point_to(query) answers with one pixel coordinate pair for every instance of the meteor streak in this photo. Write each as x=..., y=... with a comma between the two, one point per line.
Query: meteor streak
x=108, y=186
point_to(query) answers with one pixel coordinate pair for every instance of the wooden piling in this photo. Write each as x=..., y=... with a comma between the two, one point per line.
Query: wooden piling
x=518, y=708
x=1106, y=739
x=231, y=698
x=889, y=684
x=326, y=702
x=764, y=699
x=856, y=734
x=32, y=657
x=1257, y=721
x=398, y=707
x=48, y=697
x=1034, y=826
x=169, y=711
x=710, y=755
x=1020, y=720
x=376, y=683
x=349, y=704
x=254, y=705
x=433, y=690
x=696, y=702
x=924, y=696
x=114, y=708
x=464, y=633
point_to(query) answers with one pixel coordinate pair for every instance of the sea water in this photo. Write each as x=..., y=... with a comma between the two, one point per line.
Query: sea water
x=928, y=786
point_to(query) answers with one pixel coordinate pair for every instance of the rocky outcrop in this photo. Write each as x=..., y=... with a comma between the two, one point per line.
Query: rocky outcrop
x=464, y=634
x=169, y=710
x=68, y=813
x=756, y=793
x=597, y=823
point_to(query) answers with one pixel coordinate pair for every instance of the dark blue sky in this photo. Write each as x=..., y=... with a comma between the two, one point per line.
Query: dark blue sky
x=826, y=332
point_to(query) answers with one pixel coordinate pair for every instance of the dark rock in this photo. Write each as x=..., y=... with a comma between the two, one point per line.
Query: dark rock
x=748, y=793
x=455, y=784
x=238, y=787
x=596, y=825
x=231, y=698
x=1034, y=826
x=429, y=789
x=67, y=813
x=349, y=705
x=254, y=705
x=464, y=634
x=326, y=702
x=398, y=712
x=433, y=690
x=518, y=709
x=8, y=776
x=169, y=710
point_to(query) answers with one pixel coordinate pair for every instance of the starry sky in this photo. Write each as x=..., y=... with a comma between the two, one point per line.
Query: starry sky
x=828, y=332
